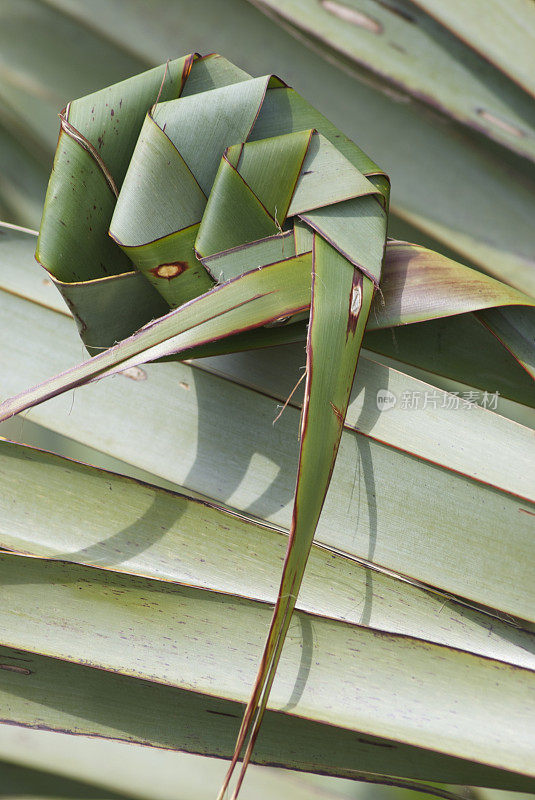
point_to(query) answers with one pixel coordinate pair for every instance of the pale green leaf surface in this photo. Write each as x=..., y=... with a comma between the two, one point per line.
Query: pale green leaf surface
x=143, y=530
x=515, y=327
x=271, y=168
x=159, y=196
x=355, y=227
x=33, y=784
x=275, y=373
x=501, y=30
x=367, y=520
x=38, y=85
x=112, y=118
x=52, y=470
x=355, y=677
x=23, y=178
x=107, y=309
x=370, y=264
x=82, y=193
x=78, y=207
x=465, y=351
x=231, y=263
x=171, y=266
x=196, y=339
x=419, y=284
x=88, y=701
x=34, y=760
x=95, y=146
x=202, y=127
x=20, y=276
x=211, y=72
x=233, y=215
x=325, y=178
x=459, y=391
x=285, y=110
x=408, y=49
x=232, y=112
x=453, y=432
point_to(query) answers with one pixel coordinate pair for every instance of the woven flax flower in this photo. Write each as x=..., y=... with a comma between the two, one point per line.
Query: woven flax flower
x=194, y=210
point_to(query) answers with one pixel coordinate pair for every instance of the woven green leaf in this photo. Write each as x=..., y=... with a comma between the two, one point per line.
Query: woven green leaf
x=233, y=202
x=206, y=177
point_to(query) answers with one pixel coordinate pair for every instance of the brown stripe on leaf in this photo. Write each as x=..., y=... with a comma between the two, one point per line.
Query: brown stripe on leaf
x=13, y=668
x=338, y=414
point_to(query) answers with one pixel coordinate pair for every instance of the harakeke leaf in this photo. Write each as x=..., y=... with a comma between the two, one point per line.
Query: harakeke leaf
x=341, y=299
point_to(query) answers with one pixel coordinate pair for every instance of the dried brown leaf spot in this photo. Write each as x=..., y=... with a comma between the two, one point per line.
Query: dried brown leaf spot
x=170, y=271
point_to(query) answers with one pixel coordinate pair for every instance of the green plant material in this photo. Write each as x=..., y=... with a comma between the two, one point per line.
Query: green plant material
x=245, y=203
x=335, y=334
x=500, y=31
x=478, y=443
x=94, y=702
x=97, y=137
x=57, y=762
x=418, y=286
x=135, y=587
x=165, y=524
x=463, y=343
x=23, y=178
x=493, y=370
x=487, y=219
x=258, y=298
x=413, y=52
x=105, y=359
x=17, y=251
x=42, y=784
x=515, y=329
x=199, y=195
x=37, y=44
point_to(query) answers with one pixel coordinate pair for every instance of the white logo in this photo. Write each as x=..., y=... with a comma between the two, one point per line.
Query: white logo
x=385, y=400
